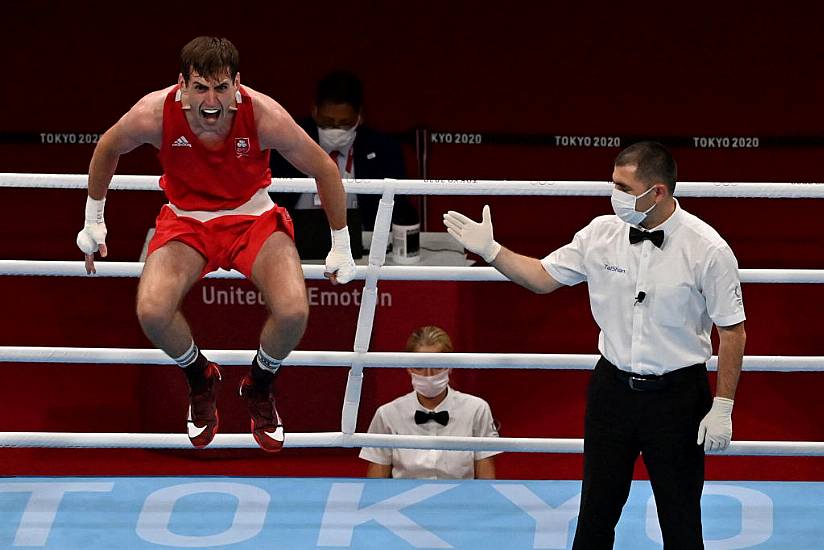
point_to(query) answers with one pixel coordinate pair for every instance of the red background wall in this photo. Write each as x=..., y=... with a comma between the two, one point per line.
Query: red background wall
x=445, y=66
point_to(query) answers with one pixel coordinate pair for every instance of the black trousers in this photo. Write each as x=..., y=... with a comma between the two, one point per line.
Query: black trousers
x=662, y=426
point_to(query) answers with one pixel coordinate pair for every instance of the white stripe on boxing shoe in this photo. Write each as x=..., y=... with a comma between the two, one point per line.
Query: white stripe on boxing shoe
x=193, y=430
x=277, y=435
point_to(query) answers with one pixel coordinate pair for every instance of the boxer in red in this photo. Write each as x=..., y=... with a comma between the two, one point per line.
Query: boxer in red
x=214, y=136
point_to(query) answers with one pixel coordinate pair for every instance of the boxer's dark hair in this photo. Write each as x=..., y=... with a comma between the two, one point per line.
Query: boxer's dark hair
x=210, y=57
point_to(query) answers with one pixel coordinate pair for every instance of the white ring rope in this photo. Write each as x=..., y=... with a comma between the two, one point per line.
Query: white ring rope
x=372, y=359
x=339, y=439
x=387, y=273
x=771, y=190
x=361, y=358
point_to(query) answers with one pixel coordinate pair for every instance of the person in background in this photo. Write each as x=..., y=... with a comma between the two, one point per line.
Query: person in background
x=338, y=125
x=433, y=408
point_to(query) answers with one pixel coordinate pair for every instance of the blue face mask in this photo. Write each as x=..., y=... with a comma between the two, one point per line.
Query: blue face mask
x=623, y=204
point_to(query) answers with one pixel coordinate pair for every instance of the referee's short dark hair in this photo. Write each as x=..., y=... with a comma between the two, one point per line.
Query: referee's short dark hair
x=340, y=87
x=653, y=162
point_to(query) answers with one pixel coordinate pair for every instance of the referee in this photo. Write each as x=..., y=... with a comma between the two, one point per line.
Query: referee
x=658, y=279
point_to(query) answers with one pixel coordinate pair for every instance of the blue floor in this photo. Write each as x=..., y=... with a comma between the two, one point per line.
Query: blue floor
x=295, y=514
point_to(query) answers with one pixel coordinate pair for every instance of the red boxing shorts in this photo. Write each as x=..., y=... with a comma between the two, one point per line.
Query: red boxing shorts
x=230, y=242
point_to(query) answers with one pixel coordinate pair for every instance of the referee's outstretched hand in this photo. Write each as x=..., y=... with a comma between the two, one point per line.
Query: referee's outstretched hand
x=475, y=237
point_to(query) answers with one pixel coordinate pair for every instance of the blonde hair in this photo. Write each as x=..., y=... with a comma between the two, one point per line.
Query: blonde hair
x=429, y=336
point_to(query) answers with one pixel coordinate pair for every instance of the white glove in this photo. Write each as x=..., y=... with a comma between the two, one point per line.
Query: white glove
x=92, y=238
x=340, y=266
x=715, y=430
x=475, y=237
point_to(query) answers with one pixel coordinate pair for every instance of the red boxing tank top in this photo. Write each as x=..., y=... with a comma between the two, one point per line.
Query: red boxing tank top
x=197, y=178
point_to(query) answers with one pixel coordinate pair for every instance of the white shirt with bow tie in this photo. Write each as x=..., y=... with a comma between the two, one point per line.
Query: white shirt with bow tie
x=468, y=416
x=655, y=306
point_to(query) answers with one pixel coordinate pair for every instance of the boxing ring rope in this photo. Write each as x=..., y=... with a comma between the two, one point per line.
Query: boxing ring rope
x=387, y=272
x=771, y=190
x=361, y=357
x=340, y=439
x=372, y=359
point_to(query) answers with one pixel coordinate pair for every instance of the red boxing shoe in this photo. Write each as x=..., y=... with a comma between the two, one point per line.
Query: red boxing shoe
x=267, y=427
x=203, y=421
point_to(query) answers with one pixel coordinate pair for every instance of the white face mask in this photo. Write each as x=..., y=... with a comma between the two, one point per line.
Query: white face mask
x=430, y=386
x=624, y=206
x=336, y=139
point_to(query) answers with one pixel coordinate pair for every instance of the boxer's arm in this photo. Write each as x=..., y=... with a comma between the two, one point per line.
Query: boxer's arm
x=143, y=123
x=277, y=130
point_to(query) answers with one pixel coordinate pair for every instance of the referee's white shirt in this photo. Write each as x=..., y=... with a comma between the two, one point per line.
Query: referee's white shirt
x=468, y=416
x=689, y=283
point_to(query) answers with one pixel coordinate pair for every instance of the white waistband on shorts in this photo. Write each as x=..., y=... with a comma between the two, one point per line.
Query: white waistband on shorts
x=259, y=203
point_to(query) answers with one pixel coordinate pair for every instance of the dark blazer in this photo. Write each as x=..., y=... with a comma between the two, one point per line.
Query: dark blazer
x=376, y=156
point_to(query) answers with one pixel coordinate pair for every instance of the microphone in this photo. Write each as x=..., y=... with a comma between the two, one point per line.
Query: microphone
x=640, y=298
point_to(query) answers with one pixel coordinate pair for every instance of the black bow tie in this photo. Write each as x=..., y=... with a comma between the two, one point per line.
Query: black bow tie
x=636, y=236
x=422, y=417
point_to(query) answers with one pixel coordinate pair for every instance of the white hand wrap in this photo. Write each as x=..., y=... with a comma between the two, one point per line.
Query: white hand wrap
x=715, y=430
x=475, y=237
x=339, y=261
x=94, y=231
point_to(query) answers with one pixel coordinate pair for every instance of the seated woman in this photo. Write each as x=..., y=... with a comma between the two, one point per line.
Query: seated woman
x=433, y=408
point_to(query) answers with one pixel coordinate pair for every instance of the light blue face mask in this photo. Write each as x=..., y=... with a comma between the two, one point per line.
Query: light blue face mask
x=430, y=386
x=624, y=206
x=336, y=139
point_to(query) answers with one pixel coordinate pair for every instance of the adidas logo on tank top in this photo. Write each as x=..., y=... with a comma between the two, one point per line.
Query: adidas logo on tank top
x=181, y=142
